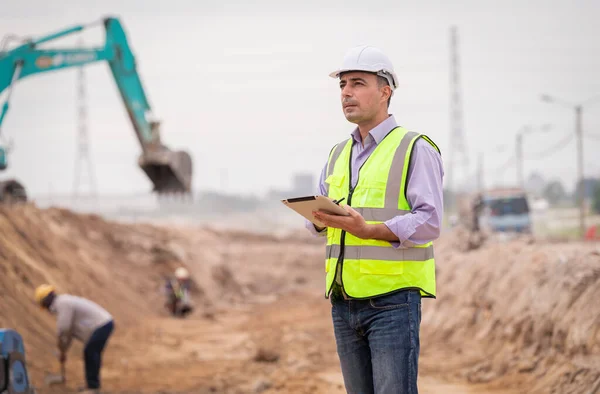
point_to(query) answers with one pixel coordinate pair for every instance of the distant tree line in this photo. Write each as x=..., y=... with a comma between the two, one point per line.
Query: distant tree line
x=555, y=193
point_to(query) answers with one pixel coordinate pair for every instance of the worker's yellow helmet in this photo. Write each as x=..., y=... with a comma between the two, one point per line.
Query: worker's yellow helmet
x=42, y=292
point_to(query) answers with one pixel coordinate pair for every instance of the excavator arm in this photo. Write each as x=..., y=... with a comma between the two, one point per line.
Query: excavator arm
x=169, y=171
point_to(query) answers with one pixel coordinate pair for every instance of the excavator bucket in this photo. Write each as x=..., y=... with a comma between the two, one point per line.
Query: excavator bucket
x=170, y=171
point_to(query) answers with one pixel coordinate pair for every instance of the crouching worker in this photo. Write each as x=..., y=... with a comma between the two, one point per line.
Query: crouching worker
x=178, y=293
x=83, y=320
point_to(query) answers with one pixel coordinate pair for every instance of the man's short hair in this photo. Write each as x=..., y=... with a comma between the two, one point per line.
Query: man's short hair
x=381, y=82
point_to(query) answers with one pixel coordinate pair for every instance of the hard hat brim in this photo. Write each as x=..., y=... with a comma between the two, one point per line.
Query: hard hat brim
x=367, y=69
x=337, y=73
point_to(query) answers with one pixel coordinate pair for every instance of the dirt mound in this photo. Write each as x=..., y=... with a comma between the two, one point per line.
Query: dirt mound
x=518, y=314
x=122, y=267
x=518, y=311
x=80, y=254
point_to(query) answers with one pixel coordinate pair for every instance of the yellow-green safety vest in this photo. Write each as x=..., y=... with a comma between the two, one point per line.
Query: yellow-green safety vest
x=372, y=267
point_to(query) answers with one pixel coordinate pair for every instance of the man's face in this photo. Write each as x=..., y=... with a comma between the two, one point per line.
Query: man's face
x=362, y=96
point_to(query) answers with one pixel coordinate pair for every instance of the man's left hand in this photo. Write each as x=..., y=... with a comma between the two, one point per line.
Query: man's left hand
x=354, y=224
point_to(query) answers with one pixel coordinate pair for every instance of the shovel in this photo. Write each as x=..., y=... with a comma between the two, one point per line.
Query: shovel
x=53, y=379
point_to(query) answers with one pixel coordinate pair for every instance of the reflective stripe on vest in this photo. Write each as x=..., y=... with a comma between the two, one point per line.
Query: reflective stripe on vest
x=379, y=253
x=373, y=267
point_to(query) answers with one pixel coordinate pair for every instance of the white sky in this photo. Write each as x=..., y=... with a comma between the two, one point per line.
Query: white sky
x=245, y=86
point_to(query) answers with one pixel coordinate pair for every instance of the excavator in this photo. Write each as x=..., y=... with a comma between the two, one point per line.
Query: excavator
x=169, y=171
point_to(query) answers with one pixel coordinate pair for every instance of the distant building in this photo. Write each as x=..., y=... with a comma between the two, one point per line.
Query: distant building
x=303, y=184
x=275, y=194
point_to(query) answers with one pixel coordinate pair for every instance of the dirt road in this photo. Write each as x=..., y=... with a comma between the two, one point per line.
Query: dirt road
x=281, y=346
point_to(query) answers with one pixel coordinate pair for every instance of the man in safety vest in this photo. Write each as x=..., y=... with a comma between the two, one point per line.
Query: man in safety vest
x=379, y=259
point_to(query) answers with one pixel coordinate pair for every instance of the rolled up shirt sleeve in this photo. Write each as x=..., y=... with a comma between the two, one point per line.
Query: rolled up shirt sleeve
x=425, y=194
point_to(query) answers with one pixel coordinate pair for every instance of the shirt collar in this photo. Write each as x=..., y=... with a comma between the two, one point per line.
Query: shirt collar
x=379, y=131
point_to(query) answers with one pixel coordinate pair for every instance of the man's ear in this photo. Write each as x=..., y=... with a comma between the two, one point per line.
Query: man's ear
x=387, y=91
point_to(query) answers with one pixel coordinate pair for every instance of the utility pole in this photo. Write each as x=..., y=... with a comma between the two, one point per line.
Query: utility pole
x=83, y=151
x=519, y=156
x=458, y=150
x=581, y=194
x=519, y=150
x=480, y=173
x=578, y=108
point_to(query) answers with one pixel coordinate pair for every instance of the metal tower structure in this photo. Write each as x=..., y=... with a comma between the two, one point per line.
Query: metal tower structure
x=458, y=157
x=82, y=156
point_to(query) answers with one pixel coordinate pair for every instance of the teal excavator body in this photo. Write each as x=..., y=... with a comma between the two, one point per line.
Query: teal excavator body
x=169, y=171
x=13, y=367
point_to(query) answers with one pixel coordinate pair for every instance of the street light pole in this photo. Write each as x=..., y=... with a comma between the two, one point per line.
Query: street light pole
x=519, y=150
x=480, y=171
x=519, y=156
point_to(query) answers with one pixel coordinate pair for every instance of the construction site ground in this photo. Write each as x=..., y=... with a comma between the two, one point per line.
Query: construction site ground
x=514, y=316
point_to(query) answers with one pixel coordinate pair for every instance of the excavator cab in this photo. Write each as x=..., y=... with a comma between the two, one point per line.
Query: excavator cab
x=12, y=192
x=3, y=160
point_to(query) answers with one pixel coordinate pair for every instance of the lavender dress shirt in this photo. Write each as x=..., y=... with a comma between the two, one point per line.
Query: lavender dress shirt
x=424, y=189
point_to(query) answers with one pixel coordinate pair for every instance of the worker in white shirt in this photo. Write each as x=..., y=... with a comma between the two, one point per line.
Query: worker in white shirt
x=83, y=320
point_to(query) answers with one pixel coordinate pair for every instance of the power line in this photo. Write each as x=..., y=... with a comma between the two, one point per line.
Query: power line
x=506, y=165
x=498, y=172
x=592, y=136
x=592, y=165
x=553, y=149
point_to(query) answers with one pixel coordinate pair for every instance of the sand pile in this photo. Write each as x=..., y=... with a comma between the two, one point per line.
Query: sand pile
x=520, y=312
x=84, y=255
x=516, y=314
x=122, y=267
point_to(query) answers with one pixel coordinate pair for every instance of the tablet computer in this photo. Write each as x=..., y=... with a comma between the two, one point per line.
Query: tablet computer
x=306, y=205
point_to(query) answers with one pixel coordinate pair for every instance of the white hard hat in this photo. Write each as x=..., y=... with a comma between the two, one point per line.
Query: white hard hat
x=182, y=273
x=370, y=59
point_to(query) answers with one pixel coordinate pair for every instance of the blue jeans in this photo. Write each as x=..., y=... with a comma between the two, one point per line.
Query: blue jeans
x=93, y=354
x=378, y=342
